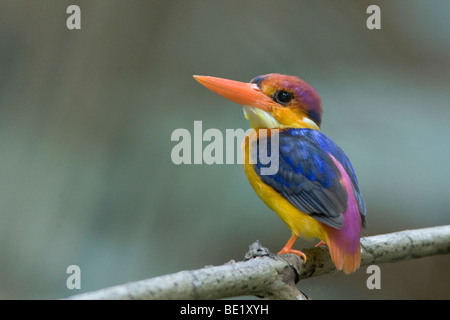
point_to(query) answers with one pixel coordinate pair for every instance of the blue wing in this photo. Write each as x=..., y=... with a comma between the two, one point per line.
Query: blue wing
x=309, y=179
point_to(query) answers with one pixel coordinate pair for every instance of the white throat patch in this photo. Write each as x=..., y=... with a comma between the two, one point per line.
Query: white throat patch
x=260, y=119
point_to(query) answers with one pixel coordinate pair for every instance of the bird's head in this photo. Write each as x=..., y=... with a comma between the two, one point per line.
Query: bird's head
x=272, y=100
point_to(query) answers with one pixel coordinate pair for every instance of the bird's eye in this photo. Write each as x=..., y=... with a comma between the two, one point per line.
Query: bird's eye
x=283, y=97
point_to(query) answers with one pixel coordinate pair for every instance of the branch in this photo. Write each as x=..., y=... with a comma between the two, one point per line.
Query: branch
x=267, y=275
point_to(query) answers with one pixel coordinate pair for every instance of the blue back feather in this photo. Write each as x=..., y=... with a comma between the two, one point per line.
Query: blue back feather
x=309, y=179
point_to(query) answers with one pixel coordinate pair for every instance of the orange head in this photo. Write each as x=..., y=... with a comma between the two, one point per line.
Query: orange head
x=272, y=100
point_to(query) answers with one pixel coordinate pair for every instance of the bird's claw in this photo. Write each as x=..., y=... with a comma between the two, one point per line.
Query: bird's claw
x=321, y=243
x=297, y=252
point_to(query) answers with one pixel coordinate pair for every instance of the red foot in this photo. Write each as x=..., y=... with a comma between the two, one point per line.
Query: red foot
x=297, y=252
x=288, y=248
x=321, y=243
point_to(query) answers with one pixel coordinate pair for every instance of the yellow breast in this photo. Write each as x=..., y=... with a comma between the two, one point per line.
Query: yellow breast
x=300, y=223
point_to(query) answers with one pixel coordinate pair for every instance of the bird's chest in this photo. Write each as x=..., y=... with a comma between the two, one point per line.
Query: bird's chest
x=260, y=148
x=255, y=150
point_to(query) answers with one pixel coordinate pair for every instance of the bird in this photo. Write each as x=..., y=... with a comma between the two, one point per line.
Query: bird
x=315, y=190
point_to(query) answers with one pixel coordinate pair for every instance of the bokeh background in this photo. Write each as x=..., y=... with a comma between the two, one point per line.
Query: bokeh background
x=86, y=118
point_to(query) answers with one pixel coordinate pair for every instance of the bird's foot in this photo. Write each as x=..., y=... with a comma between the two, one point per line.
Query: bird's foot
x=321, y=243
x=290, y=250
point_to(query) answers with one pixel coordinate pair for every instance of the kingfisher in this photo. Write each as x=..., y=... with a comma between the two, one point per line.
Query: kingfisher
x=315, y=190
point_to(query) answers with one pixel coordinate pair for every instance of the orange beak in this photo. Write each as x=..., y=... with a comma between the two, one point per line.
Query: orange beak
x=247, y=94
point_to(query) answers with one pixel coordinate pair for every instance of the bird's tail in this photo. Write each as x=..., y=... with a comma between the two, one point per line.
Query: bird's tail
x=345, y=252
x=344, y=243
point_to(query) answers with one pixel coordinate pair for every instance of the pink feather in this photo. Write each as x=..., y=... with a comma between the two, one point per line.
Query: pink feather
x=344, y=243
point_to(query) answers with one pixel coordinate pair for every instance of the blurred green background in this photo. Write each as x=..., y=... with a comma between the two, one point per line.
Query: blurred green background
x=86, y=118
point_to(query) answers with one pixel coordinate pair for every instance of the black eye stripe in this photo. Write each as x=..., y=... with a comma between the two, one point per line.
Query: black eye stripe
x=283, y=97
x=258, y=80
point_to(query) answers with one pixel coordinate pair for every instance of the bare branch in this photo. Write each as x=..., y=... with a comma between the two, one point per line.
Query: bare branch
x=267, y=275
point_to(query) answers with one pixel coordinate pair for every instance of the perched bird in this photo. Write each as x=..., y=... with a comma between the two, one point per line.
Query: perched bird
x=315, y=190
